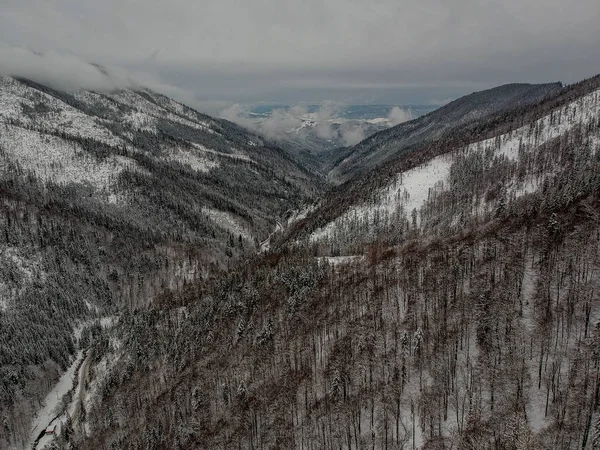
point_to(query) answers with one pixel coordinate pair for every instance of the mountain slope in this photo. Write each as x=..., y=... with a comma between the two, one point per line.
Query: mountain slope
x=390, y=144
x=446, y=302
x=368, y=189
x=107, y=200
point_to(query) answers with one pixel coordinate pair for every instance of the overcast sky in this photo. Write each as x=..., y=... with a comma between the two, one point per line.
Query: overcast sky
x=356, y=51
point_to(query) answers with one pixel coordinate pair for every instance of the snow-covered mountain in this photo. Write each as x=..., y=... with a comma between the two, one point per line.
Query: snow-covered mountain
x=385, y=146
x=446, y=300
x=107, y=201
x=443, y=297
x=497, y=172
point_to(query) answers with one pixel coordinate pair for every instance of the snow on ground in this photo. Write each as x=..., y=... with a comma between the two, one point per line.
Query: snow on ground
x=141, y=121
x=196, y=160
x=70, y=410
x=49, y=409
x=59, y=117
x=338, y=260
x=536, y=406
x=24, y=266
x=94, y=99
x=10, y=106
x=50, y=415
x=12, y=98
x=235, y=155
x=53, y=159
x=411, y=189
x=144, y=106
x=581, y=111
x=229, y=222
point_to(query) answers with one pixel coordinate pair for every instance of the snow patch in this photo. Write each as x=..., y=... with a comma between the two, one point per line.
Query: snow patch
x=48, y=412
x=229, y=222
x=52, y=159
x=195, y=160
x=339, y=260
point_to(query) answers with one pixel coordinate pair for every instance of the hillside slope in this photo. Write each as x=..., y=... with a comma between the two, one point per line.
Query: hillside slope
x=382, y=147
x=451, y=304
x=107, y=200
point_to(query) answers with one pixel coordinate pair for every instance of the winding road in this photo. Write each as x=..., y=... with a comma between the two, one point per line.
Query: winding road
x=266, y=244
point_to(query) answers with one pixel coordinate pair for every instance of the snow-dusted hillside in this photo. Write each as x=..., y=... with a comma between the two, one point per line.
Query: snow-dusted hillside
x=39, y=129
x=108, y=200
x=384, y=147
x=412, y=195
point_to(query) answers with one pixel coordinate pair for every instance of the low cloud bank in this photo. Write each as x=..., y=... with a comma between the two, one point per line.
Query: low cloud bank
x=61, y=71
x=67, y=72
x=283, y=122
x=398, y=115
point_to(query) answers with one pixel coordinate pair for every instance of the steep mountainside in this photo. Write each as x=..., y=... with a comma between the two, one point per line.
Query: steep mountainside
x=387, y=145
x=448, y=301
x=106, y=200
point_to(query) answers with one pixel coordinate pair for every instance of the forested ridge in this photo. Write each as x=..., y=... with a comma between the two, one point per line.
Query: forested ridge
x=458, y=116
x=365, y=188
x=487, y=338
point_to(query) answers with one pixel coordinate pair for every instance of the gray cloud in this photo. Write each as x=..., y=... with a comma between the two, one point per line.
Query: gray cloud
x=280, y=122
x=409, y=51
x=353, y=135
x=67, y=72
x=60, y=70
x=324, y=122
x=324, y=114
x=398, y=115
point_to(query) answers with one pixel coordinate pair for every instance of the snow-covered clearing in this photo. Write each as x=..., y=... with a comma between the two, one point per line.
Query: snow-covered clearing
x=339, y=260
x=235, y=155
x=229, y=222
x=52, y=159
x=196, y=160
